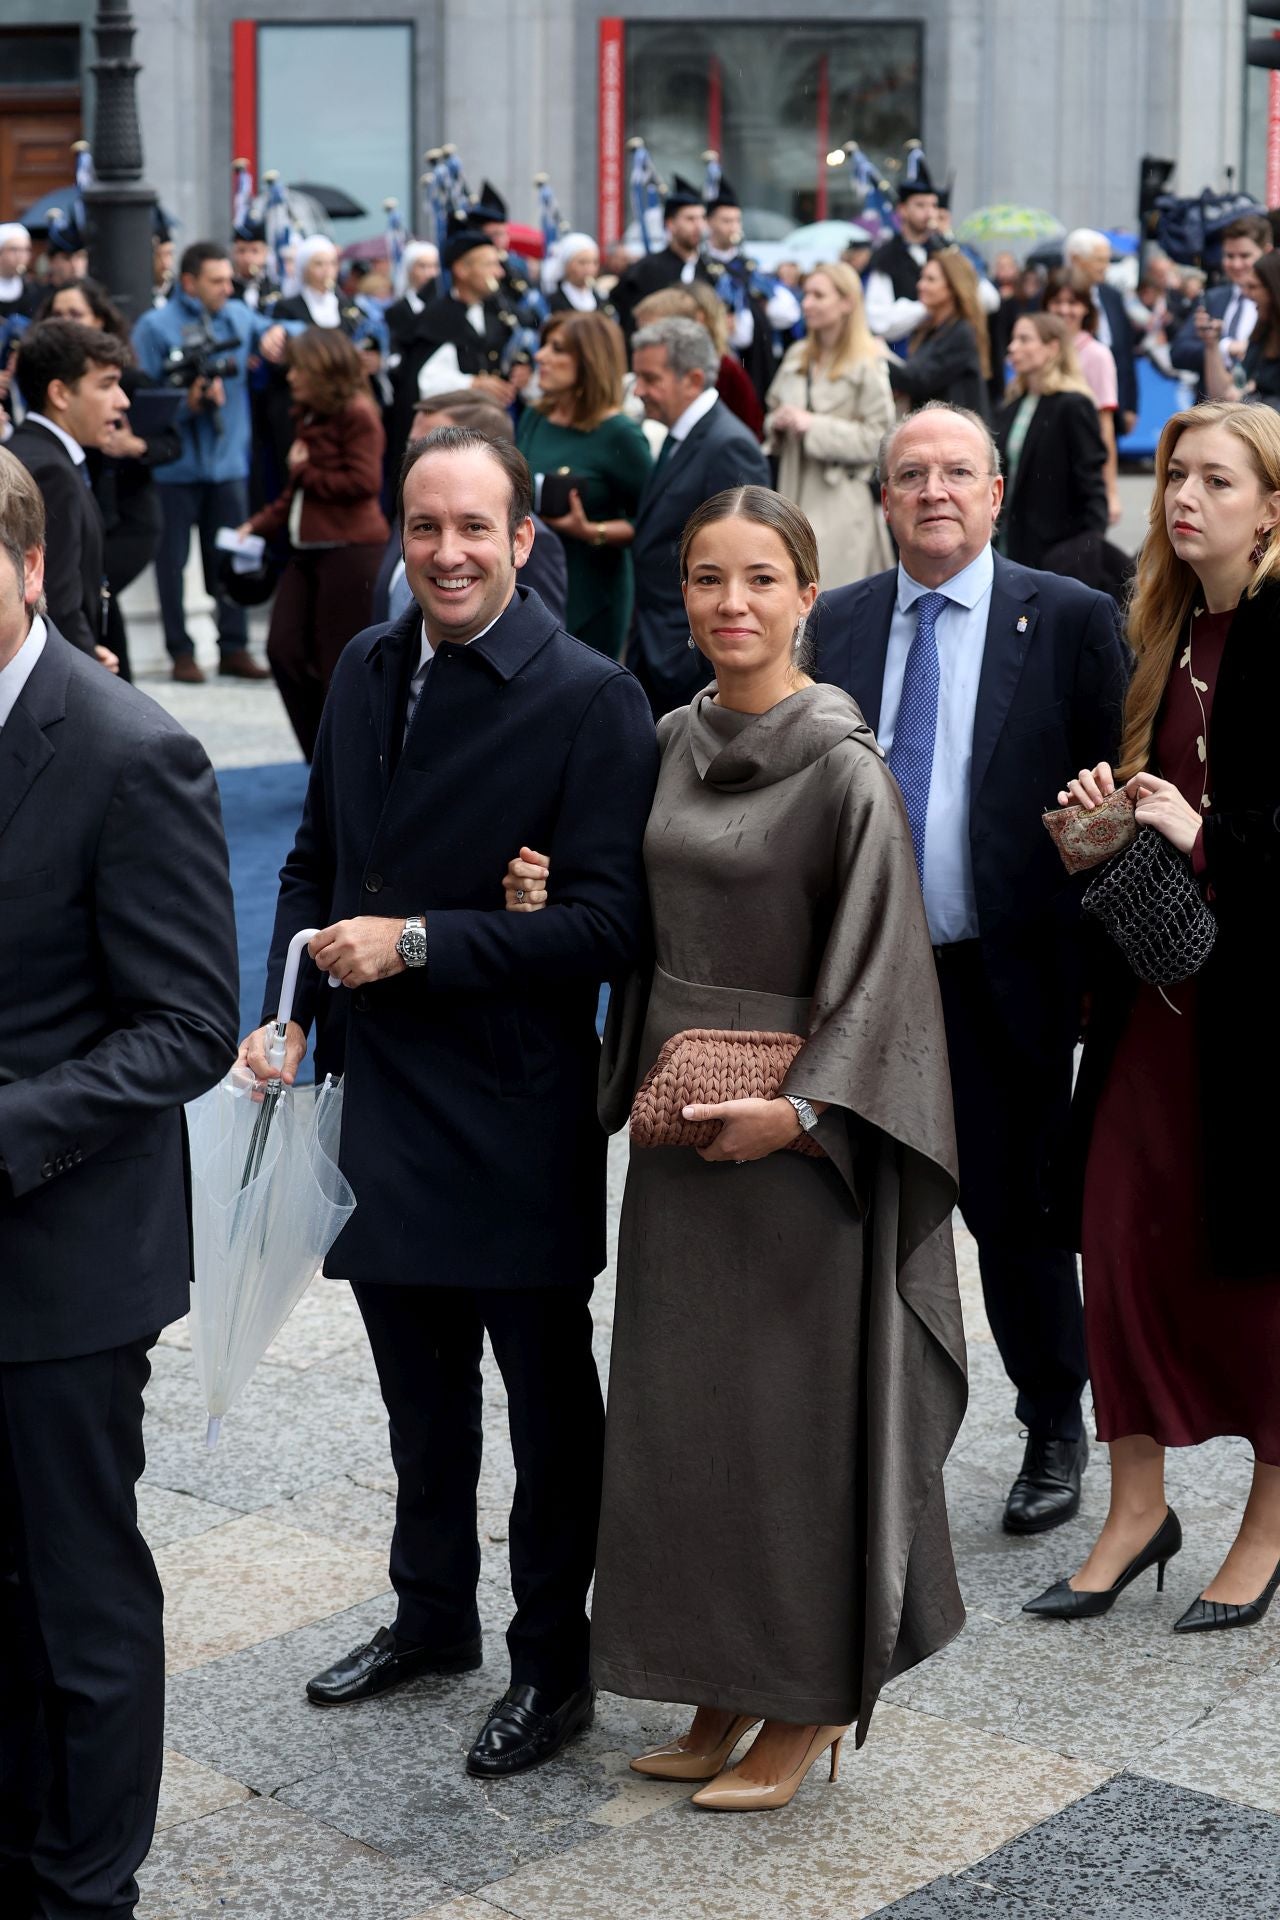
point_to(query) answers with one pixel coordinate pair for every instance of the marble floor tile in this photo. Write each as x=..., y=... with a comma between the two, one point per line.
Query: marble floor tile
x=288, y=1431
x=165, y=1516
x=341, y=1509
x=976, y=1325
x=922, y=1798
x=189, y=1791
x=1234, y=1751
x=261, y=1861
x=1135, y=1848
x=466, y=1907
x=1111, y=1689
x=252, y=1580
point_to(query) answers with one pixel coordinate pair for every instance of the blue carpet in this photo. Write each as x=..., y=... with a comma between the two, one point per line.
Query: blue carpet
x=261, y=807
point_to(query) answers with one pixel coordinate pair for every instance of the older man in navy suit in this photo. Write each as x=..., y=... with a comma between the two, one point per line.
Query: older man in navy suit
x=452, y=737
x=986, y=682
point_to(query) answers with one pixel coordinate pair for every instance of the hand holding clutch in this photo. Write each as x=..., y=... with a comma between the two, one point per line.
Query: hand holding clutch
x=1086, y=836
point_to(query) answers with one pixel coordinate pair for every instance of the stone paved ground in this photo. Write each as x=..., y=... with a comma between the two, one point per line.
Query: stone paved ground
x=1029, y=1772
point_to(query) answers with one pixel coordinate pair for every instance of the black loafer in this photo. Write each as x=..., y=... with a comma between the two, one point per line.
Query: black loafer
x=526, y=1727
x=381, y=1665
x=1047, y=1491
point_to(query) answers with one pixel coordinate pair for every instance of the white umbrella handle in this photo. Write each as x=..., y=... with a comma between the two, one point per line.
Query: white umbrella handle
x=288, y=987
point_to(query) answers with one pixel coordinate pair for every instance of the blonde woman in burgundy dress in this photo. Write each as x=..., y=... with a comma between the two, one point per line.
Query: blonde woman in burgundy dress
x=1177, y=1090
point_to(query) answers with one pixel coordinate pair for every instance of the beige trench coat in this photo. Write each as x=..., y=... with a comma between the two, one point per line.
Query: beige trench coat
x=828, y=471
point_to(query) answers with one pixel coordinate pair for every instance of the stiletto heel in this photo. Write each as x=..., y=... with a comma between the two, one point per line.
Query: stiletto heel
x=729, y=1794
x=674, y=1762
x=1065, y=1602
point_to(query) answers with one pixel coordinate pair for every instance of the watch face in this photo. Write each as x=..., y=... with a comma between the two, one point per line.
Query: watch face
x=412, y=947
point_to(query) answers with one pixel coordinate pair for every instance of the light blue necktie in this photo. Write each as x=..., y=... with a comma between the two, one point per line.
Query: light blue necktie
x=915, y=731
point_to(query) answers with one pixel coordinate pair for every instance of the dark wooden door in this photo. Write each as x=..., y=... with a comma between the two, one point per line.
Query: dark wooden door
x=37, y=127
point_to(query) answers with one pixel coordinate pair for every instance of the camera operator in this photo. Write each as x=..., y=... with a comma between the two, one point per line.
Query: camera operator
x=202, y=340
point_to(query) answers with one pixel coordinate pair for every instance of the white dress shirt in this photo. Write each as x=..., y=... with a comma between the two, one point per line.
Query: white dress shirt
x=14, y=676
x=1239, y=317
x=695, y=411
x=961, y=628
x=323, y=307
x=73, y=447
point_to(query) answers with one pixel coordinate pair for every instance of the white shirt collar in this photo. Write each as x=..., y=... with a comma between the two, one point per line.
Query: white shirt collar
x=323, y=307
x=428, y=651
x=14, y=676
x=414, y=300
x=73, y=447
x=694, y=412
x=582, y=298
x=966, y=588
x=11, y=288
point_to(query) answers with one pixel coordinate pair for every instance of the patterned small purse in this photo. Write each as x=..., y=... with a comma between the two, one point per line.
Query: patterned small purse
x=1086, y=836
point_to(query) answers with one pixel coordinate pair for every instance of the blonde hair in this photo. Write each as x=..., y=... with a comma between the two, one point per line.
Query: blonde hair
x=854, y=342
x=697, y=301
x=1064, y=376
x=963, y=282
x=1166, y=587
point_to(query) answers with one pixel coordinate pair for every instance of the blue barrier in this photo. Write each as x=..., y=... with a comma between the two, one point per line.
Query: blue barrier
x=1158, y=397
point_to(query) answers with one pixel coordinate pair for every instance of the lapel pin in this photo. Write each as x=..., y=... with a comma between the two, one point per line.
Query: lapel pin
x=1022, y=623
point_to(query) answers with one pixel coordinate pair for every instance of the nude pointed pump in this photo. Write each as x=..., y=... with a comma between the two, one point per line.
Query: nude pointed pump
x=674, y=1762
x=729, y=1794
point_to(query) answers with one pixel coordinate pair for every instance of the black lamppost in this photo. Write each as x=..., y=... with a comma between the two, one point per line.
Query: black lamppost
x=118, y=208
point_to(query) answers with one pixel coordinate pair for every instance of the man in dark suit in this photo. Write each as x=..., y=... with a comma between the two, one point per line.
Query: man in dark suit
x=706, y=450
x=982, y=680
x=70, y=381
x=1086, y=255
x=118, y=952
x=1226, y=316
x=680, y=260
x=453, y=736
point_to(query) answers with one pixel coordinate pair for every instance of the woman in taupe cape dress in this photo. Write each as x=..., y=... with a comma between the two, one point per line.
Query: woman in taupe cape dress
x=788, y=1366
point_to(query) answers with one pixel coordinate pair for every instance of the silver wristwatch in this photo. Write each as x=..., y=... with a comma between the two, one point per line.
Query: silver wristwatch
x=804, y=1112
x=412, y=944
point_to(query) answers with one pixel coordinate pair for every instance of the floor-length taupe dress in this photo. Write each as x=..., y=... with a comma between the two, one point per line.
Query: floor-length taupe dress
x=788, y=1357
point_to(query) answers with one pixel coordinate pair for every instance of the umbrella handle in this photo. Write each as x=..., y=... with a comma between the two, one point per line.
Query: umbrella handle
x=288, y=987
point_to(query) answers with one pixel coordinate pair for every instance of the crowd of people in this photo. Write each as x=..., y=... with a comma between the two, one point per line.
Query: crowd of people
x=702, y=677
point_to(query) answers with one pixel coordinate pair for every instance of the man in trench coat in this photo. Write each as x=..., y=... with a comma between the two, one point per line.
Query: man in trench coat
x=452, y=737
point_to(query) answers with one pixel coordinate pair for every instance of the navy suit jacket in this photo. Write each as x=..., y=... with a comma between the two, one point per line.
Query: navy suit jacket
x=475, y=1076
x=1122, y=348
x=118, y=954
x=718, y=452
x=1050, y=698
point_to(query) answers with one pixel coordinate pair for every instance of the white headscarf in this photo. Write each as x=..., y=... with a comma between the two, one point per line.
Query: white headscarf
x=13, y=230
x=416, y=250
x=323, y=307
x=561, y=254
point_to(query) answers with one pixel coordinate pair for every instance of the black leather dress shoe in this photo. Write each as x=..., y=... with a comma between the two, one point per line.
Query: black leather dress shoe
x=381, y=1665
x=1047, y=1491
x=526, y=1727
x=1219, y=1616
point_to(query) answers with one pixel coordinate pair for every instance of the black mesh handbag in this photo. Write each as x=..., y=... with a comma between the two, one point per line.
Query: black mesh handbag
x=1148, y=901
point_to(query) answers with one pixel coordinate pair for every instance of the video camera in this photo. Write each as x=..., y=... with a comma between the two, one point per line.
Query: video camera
x=201, y=356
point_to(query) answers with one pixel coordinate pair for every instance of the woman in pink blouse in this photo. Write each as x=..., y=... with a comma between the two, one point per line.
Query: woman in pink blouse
x=1072, y=305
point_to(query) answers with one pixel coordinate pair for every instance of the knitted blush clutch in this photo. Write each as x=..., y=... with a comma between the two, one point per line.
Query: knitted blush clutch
x=1086, y=836
x=704, y=1067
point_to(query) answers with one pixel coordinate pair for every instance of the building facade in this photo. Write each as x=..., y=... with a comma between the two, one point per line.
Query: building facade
x=1050, y=103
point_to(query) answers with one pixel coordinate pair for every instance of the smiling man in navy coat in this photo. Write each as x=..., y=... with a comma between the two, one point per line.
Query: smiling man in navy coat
x=471, y=726
x=984, y=682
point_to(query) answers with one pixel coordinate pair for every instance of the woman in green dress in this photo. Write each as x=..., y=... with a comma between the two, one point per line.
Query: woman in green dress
x=578, y=426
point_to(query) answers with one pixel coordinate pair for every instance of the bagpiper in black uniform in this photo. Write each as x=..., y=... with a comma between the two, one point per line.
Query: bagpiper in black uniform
x=736, y=281
x=654, y=271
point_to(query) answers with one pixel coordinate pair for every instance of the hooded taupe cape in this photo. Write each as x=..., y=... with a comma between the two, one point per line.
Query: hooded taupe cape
x=788, y=1367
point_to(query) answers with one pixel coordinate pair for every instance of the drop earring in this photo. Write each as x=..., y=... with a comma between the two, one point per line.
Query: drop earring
x=693, y=645
x=1259, y=550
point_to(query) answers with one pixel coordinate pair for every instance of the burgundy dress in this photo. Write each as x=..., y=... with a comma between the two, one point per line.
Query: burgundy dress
x=1175, y=1350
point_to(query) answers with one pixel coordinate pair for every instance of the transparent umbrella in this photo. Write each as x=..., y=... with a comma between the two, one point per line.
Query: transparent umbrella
x=268, y=1201
x=1014, y=227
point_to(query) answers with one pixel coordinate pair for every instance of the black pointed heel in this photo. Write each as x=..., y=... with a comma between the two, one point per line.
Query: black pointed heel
x=1065, y=1602
x=1218, y=1616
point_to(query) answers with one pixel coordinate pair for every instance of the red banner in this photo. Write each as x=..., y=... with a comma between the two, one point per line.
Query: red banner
x=612, y=90
x=1273, y=136
x=244, y=93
